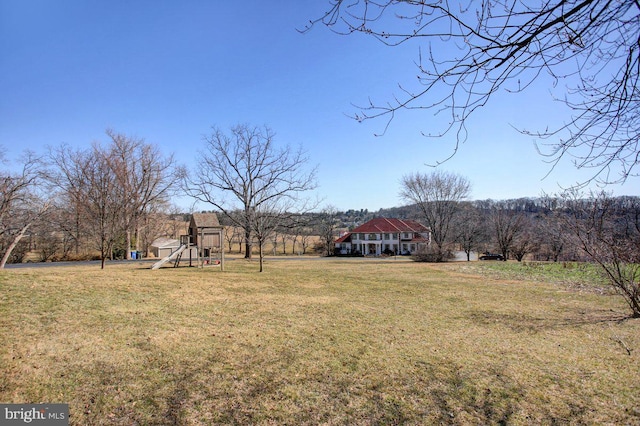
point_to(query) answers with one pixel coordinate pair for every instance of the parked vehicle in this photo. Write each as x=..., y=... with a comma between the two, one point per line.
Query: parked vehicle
x=491, y=256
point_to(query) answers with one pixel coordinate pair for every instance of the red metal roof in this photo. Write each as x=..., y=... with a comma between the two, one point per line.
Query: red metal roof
x=383, y=224
x=345, y=238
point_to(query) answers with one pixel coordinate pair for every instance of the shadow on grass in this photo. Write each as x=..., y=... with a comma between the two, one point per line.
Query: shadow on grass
x=212, y=390
x=521, y=322
x=457, y=398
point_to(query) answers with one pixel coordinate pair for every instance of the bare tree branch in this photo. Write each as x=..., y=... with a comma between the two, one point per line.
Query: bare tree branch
x=470, y=50
x=438, y=196
x=245, y=172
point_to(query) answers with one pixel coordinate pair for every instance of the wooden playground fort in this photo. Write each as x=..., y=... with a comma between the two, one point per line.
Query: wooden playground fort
x=204, y=244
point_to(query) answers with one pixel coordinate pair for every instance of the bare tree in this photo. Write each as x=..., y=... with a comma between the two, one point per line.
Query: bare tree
x=145, y=179
x=284, y=237
x=610, y=236
x=102, y=205
x=110, y=188
x=326, y=225
x=64, y=224
x=468, y=229
x=553, y=233
x=295, y=235
x=525, y=241
x=274, y=241
x=21, y=202
x=230, y=235
x=438, y=196
x=470, y=50
x=266, y=221
x=86, y=177
x=507, y=225
x=244, y=170
x=306, y=239
x=301, y=231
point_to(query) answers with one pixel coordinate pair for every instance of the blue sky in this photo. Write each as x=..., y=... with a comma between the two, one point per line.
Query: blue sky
x=169, y=71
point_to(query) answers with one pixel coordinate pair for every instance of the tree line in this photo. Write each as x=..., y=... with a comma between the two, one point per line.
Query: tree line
x=102, y=198
x=114, y=198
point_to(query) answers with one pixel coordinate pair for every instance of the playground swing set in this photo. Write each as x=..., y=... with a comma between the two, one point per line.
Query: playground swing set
x=204, y=244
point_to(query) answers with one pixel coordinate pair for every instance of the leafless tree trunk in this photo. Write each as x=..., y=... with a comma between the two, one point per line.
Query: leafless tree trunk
x=305, y=242
x=103, y=202
x=244, y=170
x=552, y=232
x=264, y=225
x=294, y=241
x=20, y=202
x=274, y=241
x=25, y=216
x=326, y=225
x=300, y=231
x=16, y=239
x=230, y=235
x=525, y=241
x=438, y=196
x=468, y=229
x=507, y=225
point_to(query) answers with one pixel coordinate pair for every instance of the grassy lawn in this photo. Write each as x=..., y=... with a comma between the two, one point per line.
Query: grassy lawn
x=326, y=341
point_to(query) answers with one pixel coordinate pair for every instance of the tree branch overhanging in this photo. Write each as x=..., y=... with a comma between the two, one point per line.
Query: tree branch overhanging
x=479, y=48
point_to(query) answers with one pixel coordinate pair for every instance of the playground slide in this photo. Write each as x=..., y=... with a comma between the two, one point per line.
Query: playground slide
x=170, y=257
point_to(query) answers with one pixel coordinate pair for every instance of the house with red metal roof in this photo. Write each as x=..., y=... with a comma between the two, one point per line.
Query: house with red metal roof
x=384, y=236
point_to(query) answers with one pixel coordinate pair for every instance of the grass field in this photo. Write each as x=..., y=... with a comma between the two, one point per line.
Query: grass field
x=319, y=341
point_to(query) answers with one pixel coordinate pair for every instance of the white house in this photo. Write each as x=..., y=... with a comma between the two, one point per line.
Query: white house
x=383, y=235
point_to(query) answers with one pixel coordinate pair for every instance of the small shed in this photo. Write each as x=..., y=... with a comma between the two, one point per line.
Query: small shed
x=163, y=246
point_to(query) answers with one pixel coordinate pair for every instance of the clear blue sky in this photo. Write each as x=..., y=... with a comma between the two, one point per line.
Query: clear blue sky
x=167, y=71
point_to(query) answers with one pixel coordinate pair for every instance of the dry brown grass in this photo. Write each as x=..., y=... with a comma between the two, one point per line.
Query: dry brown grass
x=326, y=341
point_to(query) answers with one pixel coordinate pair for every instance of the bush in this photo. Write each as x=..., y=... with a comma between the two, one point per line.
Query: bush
x=432, y=255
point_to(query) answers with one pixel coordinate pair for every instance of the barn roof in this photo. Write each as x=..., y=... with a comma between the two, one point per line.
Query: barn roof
x=204, y=220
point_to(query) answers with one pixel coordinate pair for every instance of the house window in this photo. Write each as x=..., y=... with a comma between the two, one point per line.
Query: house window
x=386, y=236
x=406, y=235
x=373, y=237
x=394, y=236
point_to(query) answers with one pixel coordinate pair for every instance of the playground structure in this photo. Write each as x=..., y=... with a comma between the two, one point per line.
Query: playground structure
x=204, y=243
